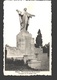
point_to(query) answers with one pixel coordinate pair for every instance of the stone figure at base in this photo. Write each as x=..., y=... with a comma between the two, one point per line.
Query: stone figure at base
x=24, y=19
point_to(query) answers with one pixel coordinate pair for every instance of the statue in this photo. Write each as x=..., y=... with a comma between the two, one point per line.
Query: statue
x=24, y=19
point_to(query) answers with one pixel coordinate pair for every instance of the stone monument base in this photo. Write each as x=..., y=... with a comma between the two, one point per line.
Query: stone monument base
x=25, y=42
x=25, y=46
x=25, y=50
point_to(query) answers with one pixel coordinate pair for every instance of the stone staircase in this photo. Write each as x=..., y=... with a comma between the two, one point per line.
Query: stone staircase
x=39, y=60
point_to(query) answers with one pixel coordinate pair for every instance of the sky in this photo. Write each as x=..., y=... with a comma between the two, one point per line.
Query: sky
x=42, y=20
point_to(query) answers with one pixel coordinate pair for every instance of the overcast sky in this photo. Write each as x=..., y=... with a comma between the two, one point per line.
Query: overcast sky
x=42, y=20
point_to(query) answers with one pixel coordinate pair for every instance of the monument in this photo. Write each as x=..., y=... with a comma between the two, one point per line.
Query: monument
x=24, y=42
x=25, y=49
x=24, y=38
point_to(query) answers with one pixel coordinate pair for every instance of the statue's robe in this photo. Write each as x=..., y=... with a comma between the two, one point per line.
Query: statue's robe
x=24, y=20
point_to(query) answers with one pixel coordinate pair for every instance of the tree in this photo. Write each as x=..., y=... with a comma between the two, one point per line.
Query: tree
x=39, y=39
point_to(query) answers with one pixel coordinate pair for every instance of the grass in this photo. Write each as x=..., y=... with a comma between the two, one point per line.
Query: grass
x=19, y=65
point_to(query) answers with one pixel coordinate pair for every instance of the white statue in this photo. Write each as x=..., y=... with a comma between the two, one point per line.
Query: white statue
x=24, y=18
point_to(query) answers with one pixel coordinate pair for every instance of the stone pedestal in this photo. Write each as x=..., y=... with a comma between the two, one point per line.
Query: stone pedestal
x=25, y=42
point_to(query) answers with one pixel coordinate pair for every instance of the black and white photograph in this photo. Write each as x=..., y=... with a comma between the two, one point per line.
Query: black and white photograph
x=27, y=37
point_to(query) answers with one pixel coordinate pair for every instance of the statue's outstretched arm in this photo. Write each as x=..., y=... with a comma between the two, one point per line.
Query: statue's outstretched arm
x=19, y=12
x=33, y=15
x=30, y=15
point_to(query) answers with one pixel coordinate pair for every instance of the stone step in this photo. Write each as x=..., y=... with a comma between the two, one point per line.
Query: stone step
x=34, y=64
x=41, y=62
